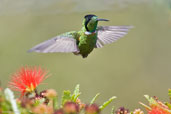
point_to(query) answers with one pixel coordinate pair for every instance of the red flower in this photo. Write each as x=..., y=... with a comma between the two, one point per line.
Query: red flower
x=27, y=79
x=158, y=110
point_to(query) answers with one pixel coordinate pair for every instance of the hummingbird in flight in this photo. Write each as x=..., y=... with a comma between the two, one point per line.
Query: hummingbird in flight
x=84, y=41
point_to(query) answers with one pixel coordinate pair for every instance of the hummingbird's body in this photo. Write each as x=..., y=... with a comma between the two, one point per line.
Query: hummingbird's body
x=84, y=41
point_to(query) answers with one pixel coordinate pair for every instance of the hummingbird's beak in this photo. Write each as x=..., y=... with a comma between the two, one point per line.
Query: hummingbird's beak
x=102, y=20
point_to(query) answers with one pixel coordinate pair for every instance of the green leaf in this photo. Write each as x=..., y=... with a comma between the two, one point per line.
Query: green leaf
x=150, y=100
x=168, y=104
x=76, y=93
x=169, y=93
x=55, y=103
x=147, y=107
x=10, y=97
x=93, y=100
x=107, y=103
x=113, y=109
x=147, y=97
x=66, y=97
x=6, y=106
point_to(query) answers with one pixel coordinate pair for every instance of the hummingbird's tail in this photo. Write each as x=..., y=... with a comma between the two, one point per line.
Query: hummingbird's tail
x=77, y=53
x=84, y=56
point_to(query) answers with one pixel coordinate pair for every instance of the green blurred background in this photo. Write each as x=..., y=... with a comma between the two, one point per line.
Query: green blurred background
x=138, y=64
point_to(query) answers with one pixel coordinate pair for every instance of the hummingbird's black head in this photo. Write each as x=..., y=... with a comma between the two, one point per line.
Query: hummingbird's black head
x=90, y=22
x=89, y=16
x=87, y=20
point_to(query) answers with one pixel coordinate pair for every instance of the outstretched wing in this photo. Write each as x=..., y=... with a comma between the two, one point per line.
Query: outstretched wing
x=109, y=34
x=64, y=44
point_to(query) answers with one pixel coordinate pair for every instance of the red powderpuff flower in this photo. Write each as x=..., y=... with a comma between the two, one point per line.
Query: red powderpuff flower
x=27, y=79
x=157, y=110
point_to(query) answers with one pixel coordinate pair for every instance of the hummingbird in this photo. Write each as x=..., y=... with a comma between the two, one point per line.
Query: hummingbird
x=84, y=41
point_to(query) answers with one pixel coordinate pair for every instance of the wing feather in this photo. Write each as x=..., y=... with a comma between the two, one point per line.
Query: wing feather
x=64, y=44
x=109, y=34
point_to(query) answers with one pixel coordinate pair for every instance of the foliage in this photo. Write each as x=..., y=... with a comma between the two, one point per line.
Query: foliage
x=47, y=102
x=31, y=101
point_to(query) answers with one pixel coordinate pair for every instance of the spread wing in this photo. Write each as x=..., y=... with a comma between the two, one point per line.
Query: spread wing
x=64, y=44
x=109, y=34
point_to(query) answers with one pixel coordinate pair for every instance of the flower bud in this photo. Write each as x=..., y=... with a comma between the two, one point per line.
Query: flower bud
x=92, y=109
x=50, y=93
x=122, y=110
x=43, y=109
x=60, y=111
x=138, y=111
x=71, y=108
